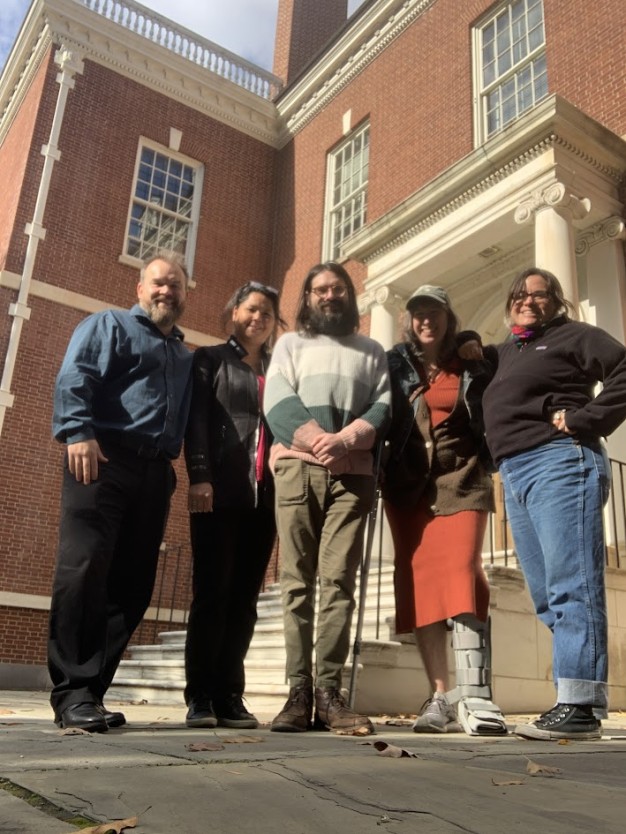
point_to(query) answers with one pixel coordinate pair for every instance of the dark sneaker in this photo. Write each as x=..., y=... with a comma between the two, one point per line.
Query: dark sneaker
x=231, y=712
x=332, y=711
x=295, y=716
x=573, y=721
x=201, y=714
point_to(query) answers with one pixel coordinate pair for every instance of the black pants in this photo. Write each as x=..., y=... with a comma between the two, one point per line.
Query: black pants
x=231, y=551
x=109, y=540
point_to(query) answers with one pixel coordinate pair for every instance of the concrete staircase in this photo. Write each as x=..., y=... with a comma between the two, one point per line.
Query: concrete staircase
x=156, y=673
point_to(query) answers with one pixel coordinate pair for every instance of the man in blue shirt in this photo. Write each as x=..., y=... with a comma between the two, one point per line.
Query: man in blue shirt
x=120, y=406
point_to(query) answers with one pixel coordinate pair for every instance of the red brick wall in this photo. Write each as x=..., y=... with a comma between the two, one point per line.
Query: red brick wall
x=85, y=222
x=586, y=47
x=15, y=153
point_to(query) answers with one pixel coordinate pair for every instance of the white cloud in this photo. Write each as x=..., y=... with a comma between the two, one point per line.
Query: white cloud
x=245, y=27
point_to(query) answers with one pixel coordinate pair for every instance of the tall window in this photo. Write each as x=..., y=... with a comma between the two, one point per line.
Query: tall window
x=511, y=58
x=346, y=191
x=165, y=203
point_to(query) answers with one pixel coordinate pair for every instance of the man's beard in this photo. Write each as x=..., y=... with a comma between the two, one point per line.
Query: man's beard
x=164, y=315
x=331, y=322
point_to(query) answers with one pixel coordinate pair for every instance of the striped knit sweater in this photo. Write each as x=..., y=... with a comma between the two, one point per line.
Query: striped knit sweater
x=327, y=384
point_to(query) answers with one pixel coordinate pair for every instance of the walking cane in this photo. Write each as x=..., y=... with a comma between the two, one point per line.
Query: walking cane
x=365, y=567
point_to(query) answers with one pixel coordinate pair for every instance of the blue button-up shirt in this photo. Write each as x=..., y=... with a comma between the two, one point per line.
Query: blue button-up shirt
x=122, y=375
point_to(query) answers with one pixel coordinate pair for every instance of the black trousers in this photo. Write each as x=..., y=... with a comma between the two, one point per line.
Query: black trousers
x=231, y=551
x=109, y=540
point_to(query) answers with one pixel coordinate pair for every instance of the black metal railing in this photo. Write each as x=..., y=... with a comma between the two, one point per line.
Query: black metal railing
x=172, y=593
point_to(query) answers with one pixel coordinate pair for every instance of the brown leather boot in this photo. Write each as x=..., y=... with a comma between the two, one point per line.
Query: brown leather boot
x=332, y=711
x=295, y=716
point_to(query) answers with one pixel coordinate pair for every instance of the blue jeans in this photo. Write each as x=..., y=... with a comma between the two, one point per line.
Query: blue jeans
x=554, y=497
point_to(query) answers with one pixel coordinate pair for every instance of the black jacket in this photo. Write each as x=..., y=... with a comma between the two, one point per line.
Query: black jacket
x=223, y=428
x=559, y=370
x=408, y=462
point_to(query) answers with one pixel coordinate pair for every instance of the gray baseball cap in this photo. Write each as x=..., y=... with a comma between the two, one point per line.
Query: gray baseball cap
x=428, y=291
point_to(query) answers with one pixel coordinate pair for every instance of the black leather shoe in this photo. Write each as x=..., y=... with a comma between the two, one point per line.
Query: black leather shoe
x=113, y=719
x=200, y=714
x=85, y=716
x=231, y=712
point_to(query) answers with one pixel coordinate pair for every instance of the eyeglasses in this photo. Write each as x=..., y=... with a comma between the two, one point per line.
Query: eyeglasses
x=255, y=286
x=337, y=291
x=537, y=295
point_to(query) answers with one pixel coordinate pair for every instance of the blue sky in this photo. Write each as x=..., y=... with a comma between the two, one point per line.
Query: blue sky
x=245, y=27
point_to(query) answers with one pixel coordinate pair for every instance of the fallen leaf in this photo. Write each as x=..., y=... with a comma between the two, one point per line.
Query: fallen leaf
x=398, y=722
x=241, y=739
x=563, y=741
x=106, y=827
x=384, y=749
x=7, y=712
x=204, y=746
x=541, y=770
x=74, y=731
x=506, y=784
x=359, y=731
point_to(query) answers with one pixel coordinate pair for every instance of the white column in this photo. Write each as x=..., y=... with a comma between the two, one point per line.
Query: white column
x=606, y=282
x=554, y=211
x=385, y=317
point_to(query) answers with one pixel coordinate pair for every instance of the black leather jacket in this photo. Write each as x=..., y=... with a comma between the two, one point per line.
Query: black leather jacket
x=223, y=428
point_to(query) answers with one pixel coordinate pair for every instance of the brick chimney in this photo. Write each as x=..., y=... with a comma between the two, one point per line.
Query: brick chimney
x=302, y=28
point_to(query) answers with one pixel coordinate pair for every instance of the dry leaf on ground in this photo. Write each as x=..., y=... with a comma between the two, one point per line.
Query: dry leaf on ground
x=384, y=749
x=204, y=746
x=241, y=739
x=541, y=770
x=507, y=783
x=117, y=827
x=7, y=711
x=74, y=731
x=359, y=731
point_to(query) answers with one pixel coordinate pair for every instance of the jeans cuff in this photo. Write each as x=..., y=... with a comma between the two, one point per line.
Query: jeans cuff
x=584, y=693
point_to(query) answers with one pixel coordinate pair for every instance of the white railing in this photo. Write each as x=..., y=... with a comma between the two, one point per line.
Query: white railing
x=183, y=42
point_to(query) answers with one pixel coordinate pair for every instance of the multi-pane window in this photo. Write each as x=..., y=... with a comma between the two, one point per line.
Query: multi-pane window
x=347, y=190
x=512, y=64
x=165, y=203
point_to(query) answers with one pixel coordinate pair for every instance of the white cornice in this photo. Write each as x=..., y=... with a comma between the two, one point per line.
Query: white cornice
x=65, y=22
x=361, y=43
x=553, y=125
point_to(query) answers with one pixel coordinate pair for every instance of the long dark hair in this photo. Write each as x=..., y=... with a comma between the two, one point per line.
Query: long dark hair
x=303, y=312
x=240, y=295
x=554, y=288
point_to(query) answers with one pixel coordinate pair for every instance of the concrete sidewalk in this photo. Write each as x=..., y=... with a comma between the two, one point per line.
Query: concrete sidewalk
x=257, y=782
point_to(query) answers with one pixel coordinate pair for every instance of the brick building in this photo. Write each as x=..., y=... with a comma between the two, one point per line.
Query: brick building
x=417, y=141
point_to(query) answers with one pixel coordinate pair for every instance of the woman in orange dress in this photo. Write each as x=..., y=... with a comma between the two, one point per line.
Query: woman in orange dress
x=437, y=499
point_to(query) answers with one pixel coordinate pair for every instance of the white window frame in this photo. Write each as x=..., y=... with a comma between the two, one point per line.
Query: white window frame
x=530, y=58
x=340, y=209
x=194, y=214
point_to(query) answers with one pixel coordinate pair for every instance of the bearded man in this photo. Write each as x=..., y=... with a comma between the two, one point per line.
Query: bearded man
x=327, y=401
x=120, y=405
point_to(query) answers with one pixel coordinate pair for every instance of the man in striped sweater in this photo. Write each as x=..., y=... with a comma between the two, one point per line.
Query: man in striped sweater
x=327, y=401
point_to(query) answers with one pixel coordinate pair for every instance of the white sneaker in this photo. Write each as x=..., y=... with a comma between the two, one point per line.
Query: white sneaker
x=437, y=716
x=481, y=717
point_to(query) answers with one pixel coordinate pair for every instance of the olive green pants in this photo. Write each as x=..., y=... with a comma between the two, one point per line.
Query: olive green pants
x=320, y=519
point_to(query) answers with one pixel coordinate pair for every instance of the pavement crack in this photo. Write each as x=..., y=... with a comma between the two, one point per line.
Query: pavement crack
x=44, y=805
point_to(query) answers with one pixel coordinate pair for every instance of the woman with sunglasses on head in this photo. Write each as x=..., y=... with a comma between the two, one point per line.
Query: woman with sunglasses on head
x=437, y=498
x=231, y=502
x=544, y=427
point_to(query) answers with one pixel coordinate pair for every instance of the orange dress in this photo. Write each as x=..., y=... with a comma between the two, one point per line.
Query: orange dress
x=438, y=562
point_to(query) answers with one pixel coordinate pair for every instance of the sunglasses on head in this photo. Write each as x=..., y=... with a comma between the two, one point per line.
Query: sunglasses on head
x=255, y=286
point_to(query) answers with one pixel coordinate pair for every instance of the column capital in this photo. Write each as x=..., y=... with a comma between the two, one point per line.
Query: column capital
x=382, y=296
x=613, y=228
x=555, y=196
x=69, y=61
